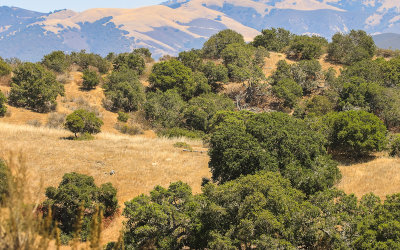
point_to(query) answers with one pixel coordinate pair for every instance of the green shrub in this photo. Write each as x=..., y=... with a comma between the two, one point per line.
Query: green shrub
x=191, y=59
x=35, y=88
x=319, y=105
x=124, y=91
x=82, y=121
x=215, y=74
x=356, y=133
x=90, y=79
x=123, y=117
x=84, y=60
x=57, y=61
x=3, y=107
x=183, y=145
x=76, y=190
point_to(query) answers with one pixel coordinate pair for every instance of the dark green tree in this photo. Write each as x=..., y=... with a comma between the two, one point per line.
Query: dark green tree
x=35, y=88
x=82, y=121
x=306, y=48
x=288, y=91
x=4, y=180
x=215, y=74
x=5, y=69
x=192, y=59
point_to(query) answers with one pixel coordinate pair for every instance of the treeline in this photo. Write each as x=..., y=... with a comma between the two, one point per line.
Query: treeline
x=273, y=173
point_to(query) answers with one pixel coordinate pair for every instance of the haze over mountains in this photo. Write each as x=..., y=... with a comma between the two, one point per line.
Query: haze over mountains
x=184, y=24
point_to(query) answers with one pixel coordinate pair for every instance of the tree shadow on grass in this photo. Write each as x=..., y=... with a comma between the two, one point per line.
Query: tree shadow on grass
x=348, y=159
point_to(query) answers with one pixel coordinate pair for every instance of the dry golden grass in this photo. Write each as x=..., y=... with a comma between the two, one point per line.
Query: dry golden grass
x=140, y=163
x=380, y=176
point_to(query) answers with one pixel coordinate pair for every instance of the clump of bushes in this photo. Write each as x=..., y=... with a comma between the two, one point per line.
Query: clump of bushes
x=130, y=129
x=5, y=68
x=57, y=61
x=4, y=179
x=395, y=147
x=56, y=120
x=122, y=116
x=78, y=198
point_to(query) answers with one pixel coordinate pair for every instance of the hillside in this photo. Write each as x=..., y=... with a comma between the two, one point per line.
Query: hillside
x=181, y=25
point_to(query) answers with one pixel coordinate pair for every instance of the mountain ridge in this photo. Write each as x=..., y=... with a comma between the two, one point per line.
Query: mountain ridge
x=179, y=25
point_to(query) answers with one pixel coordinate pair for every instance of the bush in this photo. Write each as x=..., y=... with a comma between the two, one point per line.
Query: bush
x=130, y=129
x=90, y=79
x=34, y=87
x=173, y=74
x=191, y=59
x=56, y=120
x=82, y=121
x=350, y=48
x=3, y=107
x=319, y=105
x=356, y=133
x=215, y=74
x=123, y=117
x=84, y=60
x=164, y=109
x=124, y=91
x=213, y=47
x=5, y=69
x=57, y=61
x=77, y=193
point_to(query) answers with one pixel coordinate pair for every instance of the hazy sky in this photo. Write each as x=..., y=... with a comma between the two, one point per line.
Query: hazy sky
x=77, y=5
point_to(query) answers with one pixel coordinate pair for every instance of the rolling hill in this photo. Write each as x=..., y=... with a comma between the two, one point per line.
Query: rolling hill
x=183, y=24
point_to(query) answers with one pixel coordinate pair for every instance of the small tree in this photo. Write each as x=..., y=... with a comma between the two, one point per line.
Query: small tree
x=3, y=107
x=289, y=91
x=132, y=61
x=306, y=48
x=90, y=79
x=356, y=133
x=273, y=39
x=83, y=121
x=4, y=175
x=218, y=42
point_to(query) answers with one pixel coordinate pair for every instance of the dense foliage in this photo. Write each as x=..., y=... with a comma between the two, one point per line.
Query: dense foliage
x=35, y=88
x=57, y=61
x=133, y=61
x=4, y=180
x=77, y=193
x=214, y=46
x=273, y=39
x=356, y=133
x=245, y=143
x=5, y=69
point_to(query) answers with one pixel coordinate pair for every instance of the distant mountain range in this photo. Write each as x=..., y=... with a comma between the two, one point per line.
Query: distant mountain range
x=184, y=24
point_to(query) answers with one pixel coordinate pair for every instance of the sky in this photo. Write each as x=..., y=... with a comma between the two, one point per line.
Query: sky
x=76, y=5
